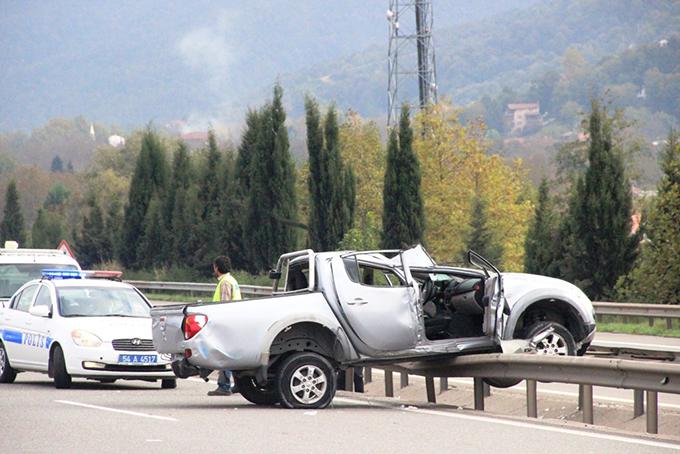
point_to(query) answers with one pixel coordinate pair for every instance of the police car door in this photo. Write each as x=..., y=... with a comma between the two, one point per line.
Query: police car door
x=14, y=326
x=38, y=329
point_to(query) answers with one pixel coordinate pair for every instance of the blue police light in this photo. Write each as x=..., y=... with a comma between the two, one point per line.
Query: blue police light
x=61, y=274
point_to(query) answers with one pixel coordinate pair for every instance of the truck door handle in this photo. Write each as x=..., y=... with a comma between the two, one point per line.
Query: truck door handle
x=357, y=301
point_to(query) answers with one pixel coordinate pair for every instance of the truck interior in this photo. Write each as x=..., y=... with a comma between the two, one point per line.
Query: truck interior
x=452, y=300
x=453, y=303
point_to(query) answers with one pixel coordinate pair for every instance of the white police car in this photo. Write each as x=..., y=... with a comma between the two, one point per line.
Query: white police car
x=70, y=326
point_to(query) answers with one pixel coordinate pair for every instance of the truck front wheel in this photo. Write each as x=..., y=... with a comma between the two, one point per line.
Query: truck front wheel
x=306, y=380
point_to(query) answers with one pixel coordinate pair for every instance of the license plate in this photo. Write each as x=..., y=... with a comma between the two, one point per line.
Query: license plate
x=137, y=359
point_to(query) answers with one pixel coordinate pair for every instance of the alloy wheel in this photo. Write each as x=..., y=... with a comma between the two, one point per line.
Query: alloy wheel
x=308, y=384
x=553, y=344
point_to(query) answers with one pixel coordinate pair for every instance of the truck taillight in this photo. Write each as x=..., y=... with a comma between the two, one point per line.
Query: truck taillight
x=193, y=324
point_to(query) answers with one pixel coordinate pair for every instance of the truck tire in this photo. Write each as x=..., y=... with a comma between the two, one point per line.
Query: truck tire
x=306, y=380
x=559, y=343
x=7, y=373
x=168, y=383
x=254, y=393
x=62, y=379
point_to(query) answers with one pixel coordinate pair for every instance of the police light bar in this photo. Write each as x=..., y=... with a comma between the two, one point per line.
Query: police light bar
x=61, y=274
x=102, y=274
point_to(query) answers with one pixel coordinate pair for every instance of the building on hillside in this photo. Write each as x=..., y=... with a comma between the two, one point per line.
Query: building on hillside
x=195, y=139
x=522, y=118
x=116, y=141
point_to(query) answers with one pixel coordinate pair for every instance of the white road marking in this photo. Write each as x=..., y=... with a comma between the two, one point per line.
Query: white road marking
x=528, y=425
x=115, y=410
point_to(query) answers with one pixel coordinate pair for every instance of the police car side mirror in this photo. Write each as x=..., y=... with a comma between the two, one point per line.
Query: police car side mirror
x=40, y=311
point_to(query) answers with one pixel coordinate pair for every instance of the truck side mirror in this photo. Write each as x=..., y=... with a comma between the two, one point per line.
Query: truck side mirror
x=275, y=275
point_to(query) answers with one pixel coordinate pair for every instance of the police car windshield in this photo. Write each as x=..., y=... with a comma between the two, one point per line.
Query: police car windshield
x=14, y=275
x=101, y=302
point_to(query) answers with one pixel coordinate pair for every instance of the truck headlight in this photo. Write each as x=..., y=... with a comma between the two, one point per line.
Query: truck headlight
x=85, y=338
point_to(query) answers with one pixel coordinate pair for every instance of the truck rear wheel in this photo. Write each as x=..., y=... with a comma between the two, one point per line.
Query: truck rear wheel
x=306, y=380
x=257, y=394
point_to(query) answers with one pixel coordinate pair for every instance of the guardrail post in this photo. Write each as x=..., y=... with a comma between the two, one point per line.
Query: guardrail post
x=651, y=321
x=429, y=387
x=669, y=323
x=479, y=393
x=652, y=413
x=532, y=404
x=368, y=375
x=403, y=380
x=638, y=403
x=487, y=390
x=587, y=403
x=389, y=384
x=443, y=384
x=349, y=379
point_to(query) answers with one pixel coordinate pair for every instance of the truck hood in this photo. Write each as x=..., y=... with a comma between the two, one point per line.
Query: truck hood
x=516, y=285
x=109, y=328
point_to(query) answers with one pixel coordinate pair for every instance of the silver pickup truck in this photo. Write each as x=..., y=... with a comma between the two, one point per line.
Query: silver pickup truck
x=334, y=310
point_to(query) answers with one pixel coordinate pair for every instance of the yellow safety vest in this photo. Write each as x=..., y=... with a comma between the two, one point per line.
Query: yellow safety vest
x=235, y=290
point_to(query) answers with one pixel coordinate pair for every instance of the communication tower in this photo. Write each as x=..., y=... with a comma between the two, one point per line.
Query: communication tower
x=410, y=55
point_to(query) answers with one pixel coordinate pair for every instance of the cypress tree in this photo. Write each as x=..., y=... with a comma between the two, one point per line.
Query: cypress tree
x=539, y=256
x=47, y=230
x=185, y=239
x=94, y=245
x=12, y=226
x=57, y=164
x=403, y=214
x=149, y=178
x=601, y=245
x=114, y=226
x=656, y=277
x=331, y=184
x=271, y=211
x=149, y=243
x=480, y=239
x=319, y=204
x=339, y=184
x=242, y=184
x=179, y=183
x=210, y=198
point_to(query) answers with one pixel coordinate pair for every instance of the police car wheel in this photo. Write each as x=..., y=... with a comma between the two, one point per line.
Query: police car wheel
x=7, y=373
x=62, y=379
x=168, y=383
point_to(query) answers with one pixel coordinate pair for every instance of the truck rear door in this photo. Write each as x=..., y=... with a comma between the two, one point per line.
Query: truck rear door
x=378, y=304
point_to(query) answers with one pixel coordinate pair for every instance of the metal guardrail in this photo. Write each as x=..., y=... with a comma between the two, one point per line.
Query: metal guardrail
x=197, y=287
x=646, y=379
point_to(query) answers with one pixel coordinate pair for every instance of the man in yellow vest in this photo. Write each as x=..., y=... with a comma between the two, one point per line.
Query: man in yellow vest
x=227, y=290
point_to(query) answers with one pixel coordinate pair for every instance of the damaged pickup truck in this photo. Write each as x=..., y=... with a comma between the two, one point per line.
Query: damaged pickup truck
x=334, y=310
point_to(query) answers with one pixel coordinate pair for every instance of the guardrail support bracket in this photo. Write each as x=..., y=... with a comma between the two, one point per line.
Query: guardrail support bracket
x=532, y=404
x=479, y=393
x=652, y=412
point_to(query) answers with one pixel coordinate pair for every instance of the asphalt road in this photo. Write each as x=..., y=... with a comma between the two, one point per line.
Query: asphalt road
x=140, y=417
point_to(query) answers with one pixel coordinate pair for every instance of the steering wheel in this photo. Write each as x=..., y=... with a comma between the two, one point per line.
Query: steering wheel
x=427, y=291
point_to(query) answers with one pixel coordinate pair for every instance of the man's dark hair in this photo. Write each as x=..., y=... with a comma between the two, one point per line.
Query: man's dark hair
x=223, y=264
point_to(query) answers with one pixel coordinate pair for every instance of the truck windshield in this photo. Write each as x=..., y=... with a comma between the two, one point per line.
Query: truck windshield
x=14, y=275
x=101, y=302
